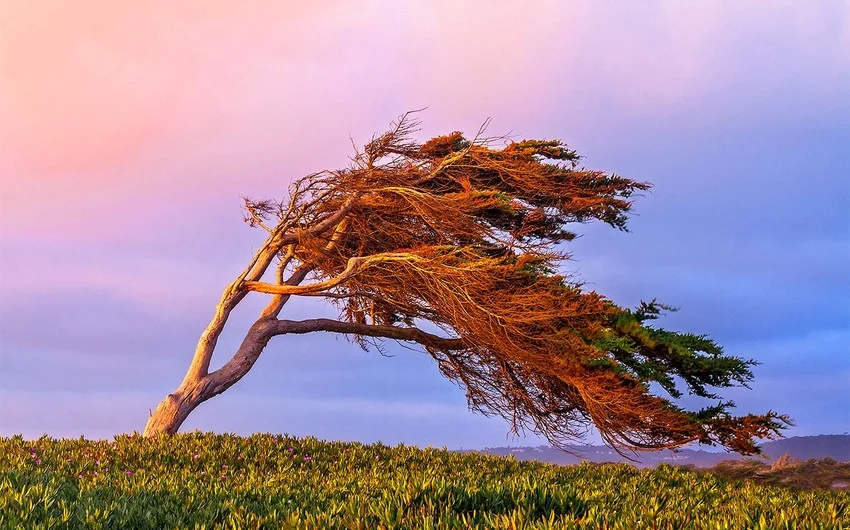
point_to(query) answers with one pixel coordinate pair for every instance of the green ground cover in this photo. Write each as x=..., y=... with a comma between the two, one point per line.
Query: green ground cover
x=195, y=481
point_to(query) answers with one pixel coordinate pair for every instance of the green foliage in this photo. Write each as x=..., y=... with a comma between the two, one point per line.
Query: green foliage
x=195, y=481
x=657, y=355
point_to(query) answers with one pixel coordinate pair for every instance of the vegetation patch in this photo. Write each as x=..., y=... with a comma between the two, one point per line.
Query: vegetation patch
x=816, y=473
x=197, y=480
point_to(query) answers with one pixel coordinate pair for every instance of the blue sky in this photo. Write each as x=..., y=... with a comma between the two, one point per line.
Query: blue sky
x=126, y=140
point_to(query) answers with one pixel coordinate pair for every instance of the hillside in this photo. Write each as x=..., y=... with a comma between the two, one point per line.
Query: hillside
x=223, y=481
x=836, y=446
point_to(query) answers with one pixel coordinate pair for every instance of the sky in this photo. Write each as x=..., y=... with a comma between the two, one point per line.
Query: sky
x=128, y=134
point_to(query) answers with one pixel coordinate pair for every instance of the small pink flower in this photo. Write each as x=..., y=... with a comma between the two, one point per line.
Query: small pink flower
x=291, y=450
x=106, y=469
x=224, y=466
x=128, y=473
x=196, y=456
x=38, y=461
x=307, y=458
x=97, y=462
x=69, y=460
x=80, y=476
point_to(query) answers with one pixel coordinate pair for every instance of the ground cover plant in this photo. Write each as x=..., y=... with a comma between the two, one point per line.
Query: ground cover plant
x=196, y=480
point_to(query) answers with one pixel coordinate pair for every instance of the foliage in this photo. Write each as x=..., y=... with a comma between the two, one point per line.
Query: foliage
x=461, y=236
x=815, y=473
x=195, y=481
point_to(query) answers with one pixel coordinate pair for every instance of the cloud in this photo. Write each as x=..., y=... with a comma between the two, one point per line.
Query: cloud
x=105, y=414
x=817, y=403
x=82, y=309
x=128, y=136
x=70, y=414
x=819, y=353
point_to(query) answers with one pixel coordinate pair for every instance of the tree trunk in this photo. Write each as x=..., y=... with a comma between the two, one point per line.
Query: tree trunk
x=175, y=408
x=199, y=385
x=194, y=390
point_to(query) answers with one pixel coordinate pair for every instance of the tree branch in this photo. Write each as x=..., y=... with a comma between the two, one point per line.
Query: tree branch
x=272, y=310
x=282, y=327
x=354, y=266
x=327, y=223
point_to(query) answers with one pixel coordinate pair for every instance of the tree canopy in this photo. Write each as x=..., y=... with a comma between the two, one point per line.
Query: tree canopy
x=455, y=244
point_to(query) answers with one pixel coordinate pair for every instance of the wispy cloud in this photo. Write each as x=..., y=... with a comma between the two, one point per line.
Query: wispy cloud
x=128, y=134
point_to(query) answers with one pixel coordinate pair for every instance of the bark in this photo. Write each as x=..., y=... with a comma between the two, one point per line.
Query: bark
x=409, y=334
x=199, y=385
x=176, y=407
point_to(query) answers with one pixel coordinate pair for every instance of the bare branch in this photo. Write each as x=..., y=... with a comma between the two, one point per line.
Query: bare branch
x=354, y=266
x=411, y=334
x=258, y=212
x=272, y=310
x=321, y=227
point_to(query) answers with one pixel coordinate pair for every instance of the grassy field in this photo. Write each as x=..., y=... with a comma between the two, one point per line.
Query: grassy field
x=196, y=481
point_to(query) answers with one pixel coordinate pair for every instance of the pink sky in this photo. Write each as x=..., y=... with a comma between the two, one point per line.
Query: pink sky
x=127, y=134
x=101, y=102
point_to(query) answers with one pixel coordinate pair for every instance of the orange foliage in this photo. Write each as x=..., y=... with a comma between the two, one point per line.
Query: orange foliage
x=460, y=235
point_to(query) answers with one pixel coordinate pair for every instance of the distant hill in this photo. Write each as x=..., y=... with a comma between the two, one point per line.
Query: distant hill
x=836, y=446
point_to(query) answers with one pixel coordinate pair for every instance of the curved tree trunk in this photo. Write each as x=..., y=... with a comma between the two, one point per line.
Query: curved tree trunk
x=175, y=408
x=199, y=385
x=194, y=390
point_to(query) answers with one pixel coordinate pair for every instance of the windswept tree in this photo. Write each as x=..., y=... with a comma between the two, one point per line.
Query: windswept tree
x=454, y=245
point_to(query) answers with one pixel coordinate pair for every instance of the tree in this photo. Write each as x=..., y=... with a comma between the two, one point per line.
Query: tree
x=453, y=245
